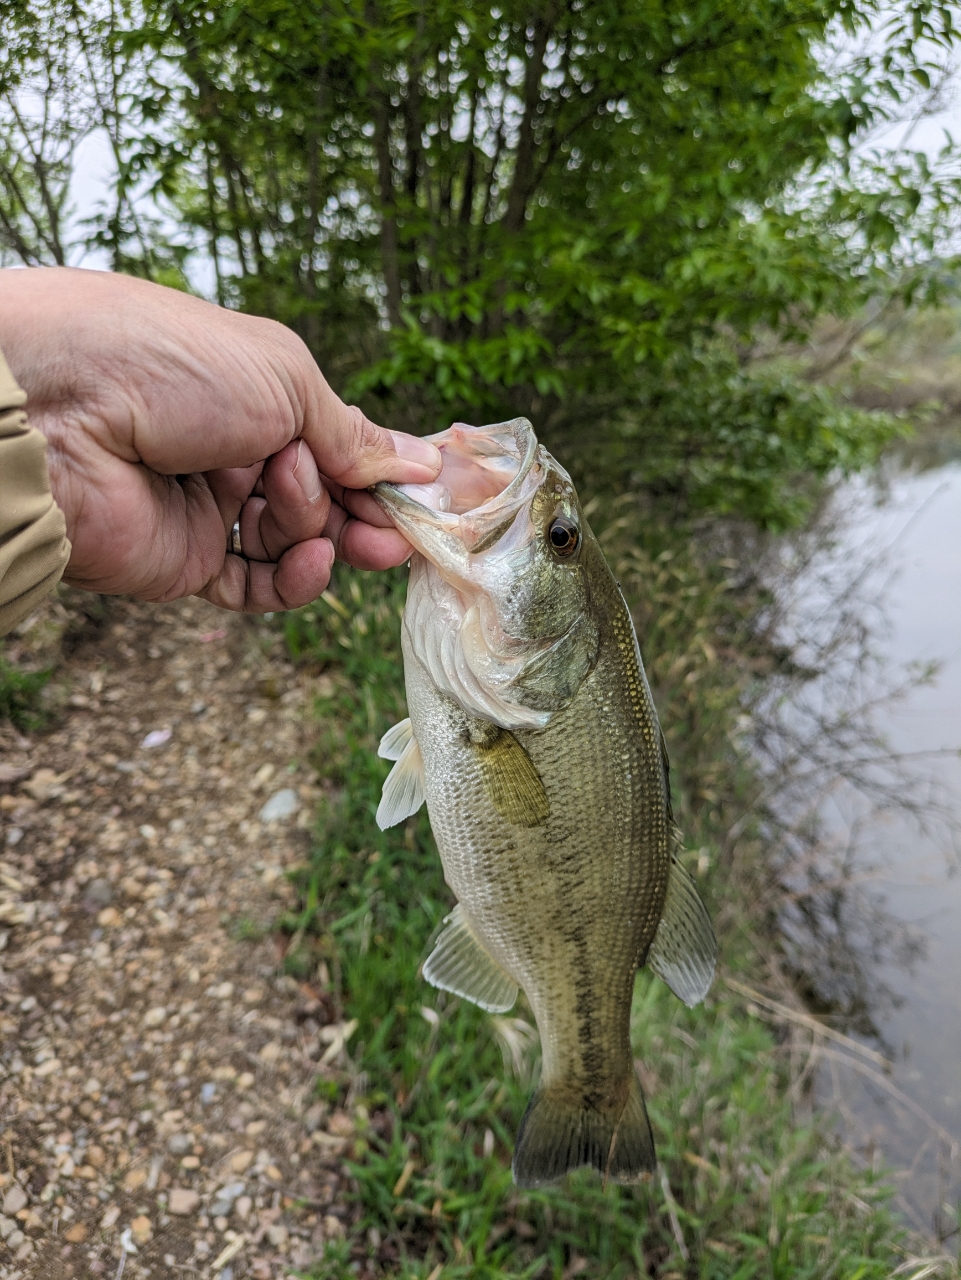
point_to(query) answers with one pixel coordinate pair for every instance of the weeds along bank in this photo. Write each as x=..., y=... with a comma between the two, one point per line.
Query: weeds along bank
x=751, y=1185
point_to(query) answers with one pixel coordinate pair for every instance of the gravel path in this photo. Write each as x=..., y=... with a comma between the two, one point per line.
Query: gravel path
x=156, y=1071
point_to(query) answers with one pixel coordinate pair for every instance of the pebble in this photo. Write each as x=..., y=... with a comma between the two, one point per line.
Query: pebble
x=97, y=895
x=224, y=1199
x=179, y=1144
x=77, y=1233
x=141, y=1229
x=282, y=804
x=155, y=1017
x=14, y=1200
x=182, y=1201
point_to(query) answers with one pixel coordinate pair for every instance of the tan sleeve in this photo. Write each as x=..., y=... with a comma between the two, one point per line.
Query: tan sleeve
x=34, y=549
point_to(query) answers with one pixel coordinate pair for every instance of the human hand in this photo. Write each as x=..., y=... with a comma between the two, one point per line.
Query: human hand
x=168, y=419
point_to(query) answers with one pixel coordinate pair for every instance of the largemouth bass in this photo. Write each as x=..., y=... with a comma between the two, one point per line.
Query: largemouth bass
x=534, y=741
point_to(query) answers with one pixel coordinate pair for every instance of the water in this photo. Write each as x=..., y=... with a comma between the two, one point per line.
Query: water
x=913, y=873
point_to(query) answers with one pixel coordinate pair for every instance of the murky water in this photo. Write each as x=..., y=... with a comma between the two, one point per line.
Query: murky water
x=914, y=873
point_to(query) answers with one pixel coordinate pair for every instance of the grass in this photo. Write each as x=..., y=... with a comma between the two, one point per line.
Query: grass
x=21, y=700
x=438, y=1087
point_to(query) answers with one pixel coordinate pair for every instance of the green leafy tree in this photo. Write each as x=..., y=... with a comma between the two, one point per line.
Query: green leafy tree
x=575, y=209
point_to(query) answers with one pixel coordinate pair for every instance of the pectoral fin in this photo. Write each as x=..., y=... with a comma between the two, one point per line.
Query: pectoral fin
x=511, y=780
x=394, y=741
x=684, y=949
x=403, y=792
x=460, y=964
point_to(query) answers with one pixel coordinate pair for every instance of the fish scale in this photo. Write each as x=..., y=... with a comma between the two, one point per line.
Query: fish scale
x=537, y=748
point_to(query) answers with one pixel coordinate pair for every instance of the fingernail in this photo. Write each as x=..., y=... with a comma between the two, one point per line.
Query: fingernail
x=413, y=449
x=306, y=473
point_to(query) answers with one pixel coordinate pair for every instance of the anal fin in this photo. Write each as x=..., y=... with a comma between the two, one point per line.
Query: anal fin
x=510, y=779
x=403, y=792
x=460, y=964
x=684, y=950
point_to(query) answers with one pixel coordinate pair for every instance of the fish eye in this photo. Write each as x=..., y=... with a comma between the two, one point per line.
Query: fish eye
x=564, y=535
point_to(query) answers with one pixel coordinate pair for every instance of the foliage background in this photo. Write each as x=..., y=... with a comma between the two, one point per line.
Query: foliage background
x=590, y=213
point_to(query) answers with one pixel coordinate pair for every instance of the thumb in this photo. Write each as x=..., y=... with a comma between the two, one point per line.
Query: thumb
x=355, y=452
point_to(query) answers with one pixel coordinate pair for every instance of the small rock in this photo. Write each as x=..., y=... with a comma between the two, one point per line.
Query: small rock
x=6, y=1226
x=190, y=1162
x=228, y=1194
x=43, y=786
x=179, y=1144
x=273, y=1173
x=155, y=1017
x=134, y=1179
x=108, y=916
x=77, y=1233
x=245, y=1080
x=278, y=1236
x=14, y=1200
x=263, y=776
x=97, y=895
x=282, y=804
x=243, y=1207
x=182, y=1201
x=11, y=773
x=141, y=1229
x=208, y=1092
x=341, y=1124
x=333, y=1228
x=241, y=1161
x=109, y=1219
x=156, y=738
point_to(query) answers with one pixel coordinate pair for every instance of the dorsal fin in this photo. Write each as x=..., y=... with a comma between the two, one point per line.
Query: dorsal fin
x=684, y=950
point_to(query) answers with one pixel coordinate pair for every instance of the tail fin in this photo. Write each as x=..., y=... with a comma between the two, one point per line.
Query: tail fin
x=559, y=1133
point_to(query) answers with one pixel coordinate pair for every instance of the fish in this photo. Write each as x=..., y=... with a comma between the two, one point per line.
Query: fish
x=533, y=739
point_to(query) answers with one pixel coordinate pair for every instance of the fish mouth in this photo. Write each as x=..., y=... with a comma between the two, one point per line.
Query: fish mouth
x=489, y=474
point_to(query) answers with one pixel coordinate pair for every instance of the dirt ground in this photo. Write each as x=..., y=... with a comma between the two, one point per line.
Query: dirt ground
x=156, y=1068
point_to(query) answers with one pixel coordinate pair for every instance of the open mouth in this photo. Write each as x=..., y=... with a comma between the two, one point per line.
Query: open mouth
x=488, y=474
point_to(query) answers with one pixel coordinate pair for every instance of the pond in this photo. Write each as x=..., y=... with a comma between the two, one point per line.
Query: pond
x=909, y=870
